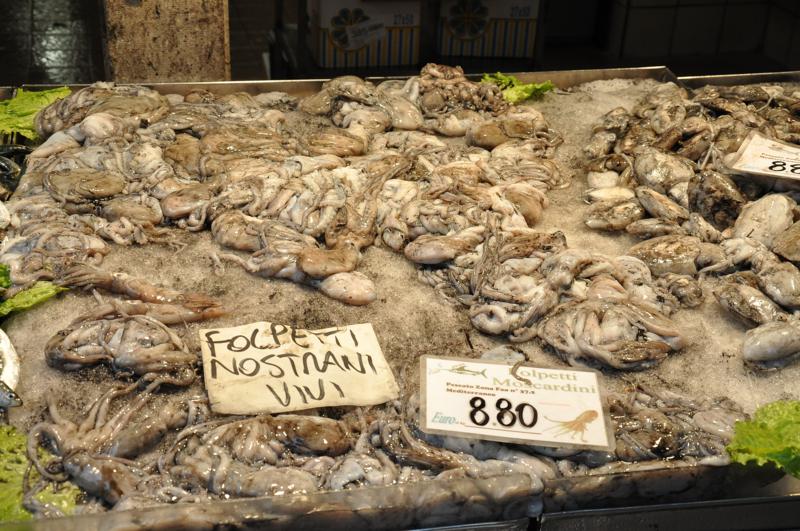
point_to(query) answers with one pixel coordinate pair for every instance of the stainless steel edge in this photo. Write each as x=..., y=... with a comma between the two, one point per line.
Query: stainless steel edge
x=303, y=87
x=522, y=524
x=427, y=504
x=570, y=78
x=741, y=514
x=297, y=87
x=741, y=79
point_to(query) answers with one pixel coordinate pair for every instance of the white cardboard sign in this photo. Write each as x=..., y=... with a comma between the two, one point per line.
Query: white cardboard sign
x=765, y=156
x=490, y=400
x=272, y=368
x=364, y=33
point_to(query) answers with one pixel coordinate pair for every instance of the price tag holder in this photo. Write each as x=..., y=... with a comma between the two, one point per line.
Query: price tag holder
x=490, y=400
x=768, y=157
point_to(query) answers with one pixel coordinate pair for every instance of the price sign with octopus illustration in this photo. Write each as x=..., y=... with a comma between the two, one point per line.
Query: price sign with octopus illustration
x=499, y=401
x=768, y=157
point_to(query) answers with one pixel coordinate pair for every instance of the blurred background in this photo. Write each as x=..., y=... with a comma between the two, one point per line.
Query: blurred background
x=79, y=41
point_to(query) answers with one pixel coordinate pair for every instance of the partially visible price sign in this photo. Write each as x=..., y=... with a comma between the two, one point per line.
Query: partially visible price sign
x=495, y=401
x=363, y=33
x=768, y=157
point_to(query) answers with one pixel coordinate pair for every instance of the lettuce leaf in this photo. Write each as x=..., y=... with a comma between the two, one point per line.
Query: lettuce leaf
x=500, y=79
x=17, y=114
x=514, y=91
x=5, y=276
x=771, y=436
x=39, y=292
x=520, y=93
x=12, y=469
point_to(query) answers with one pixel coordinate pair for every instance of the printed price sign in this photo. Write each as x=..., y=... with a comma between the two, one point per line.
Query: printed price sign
x=271, y=368
x=363, y=33
x=764, y=156
x=490, y=400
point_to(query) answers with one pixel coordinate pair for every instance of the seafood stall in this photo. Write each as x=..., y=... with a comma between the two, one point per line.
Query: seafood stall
x=583, y=221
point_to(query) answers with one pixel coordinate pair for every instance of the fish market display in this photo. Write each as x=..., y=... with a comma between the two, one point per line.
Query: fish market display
x=431, y=207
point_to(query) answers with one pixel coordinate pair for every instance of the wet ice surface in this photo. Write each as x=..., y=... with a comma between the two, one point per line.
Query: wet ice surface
x=409, y=317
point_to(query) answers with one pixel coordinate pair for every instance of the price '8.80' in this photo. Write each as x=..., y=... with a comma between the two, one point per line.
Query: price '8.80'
x=779, y=165
x=526, y=414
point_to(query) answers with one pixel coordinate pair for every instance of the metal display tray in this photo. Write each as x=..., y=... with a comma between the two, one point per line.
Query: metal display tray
x=741, y=79
x=303, y=87
x=743, y=514
x=424, y=505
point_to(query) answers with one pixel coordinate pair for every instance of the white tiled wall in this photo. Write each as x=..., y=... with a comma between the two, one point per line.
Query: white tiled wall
x=743, y=26
x=782, y=37
x=648, y=32
x=697, y=29
x=657, y=28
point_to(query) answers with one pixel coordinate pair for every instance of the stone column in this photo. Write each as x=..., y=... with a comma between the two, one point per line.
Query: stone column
x=166, y=40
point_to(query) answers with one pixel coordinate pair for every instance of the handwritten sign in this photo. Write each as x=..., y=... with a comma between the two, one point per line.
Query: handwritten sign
x=765, y=156
x=271, y=368
x=492, y=400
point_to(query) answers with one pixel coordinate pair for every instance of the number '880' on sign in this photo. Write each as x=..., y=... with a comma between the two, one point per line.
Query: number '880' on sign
x=497, y=401
x=781, y=166
x=505, y=416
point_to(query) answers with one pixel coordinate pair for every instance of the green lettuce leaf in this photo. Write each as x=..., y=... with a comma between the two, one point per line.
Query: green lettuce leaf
x=771, y=436
x=39, y=292
x=5, y=276
x=17, y=114
x=500, y=79
x=514, y=91
x=527, y=91
x=12, y=469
